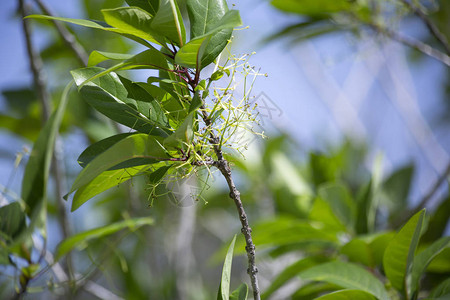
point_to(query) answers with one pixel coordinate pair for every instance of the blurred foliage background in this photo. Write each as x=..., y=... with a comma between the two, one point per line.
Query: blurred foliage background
x=331, y=198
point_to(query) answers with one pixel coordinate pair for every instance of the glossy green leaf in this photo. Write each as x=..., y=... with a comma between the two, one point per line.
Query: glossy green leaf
x=134, y=146
x=97, y=57
x=134, y=21
x=150, y=6
x=224, y=288
x=204, y=16
x=191, y=53
x=169, y=23
x=108, y=95
x=96, y=25
x=146, y=104
x=148, y=59
x=399, y=254
x=34, y=183
x=241, y=293
x=99, y=147
x=103, y=182
x=347, y=275
x=423, y=259
x=81, y=239
x=347, y=295
x=292, y=271
x=195, y=53
x=12, y=221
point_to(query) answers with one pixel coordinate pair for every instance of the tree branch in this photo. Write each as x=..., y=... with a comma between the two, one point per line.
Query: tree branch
x=430, y=25
x=68, y=38
x=39, y=78
x=224, y=167
x=426, y=198
x=415, y=44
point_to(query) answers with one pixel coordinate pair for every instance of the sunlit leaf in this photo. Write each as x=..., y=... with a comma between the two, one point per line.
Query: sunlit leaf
x=80, y=239
x=103, y=182
x=108, y=95
x=137, y=146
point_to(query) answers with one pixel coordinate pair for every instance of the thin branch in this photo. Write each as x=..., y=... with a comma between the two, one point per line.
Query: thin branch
x=68, y=38
x=432, y=190
x=415, y=44
x=36, y=64
x=224, y=167
x=430, y=25
x=426, y=198
x=39, y=78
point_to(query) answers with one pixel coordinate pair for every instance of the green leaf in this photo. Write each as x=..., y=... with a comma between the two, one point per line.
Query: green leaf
x=99, y=147
x=442, y=290
x=146, y=104
x=192, y=55
x=103, y=182
x=148, y=59
x=97, y=57
x=423, y=259
x=149, y=5
x=292, y=271
x=168, y=22
x=12, y=221
x=134, y=21
x=96, y=25
x=224, y=288
x=241, y=293
x=359, y=251
x=396, y=189
x=340, y=200
x=399, y=254
x=80, y=239
x=156, y=176
x=322, y=211
x=204, y=16
x=134, y=146
x=438, y=222
x=312, y=7
x=347, y=295
x=196, y=102
x=347, y=275
x=109, y=96
x=365, y=216
x=184, y=134
x=34, y=183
